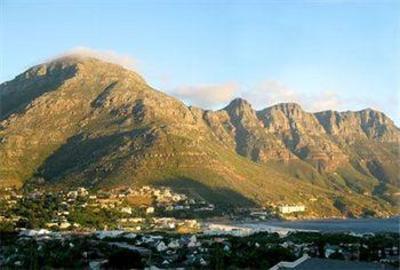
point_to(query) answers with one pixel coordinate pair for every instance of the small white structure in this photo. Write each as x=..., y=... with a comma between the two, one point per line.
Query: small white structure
x=136, y=220
x=193, y=242
x=287, y=209
x=150, y=210
x=126, y=210
x=130, y=235
x=174, y=244
x=202, y=262
x=161, y=246
x=221, y=229
x=64, y=225
x=32, y=233
x=110, y=234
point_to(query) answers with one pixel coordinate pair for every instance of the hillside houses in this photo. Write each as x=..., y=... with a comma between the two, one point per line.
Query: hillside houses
x=69, y=209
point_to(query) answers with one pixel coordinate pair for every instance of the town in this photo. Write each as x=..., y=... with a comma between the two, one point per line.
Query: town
x=131, y=209
x=116, y=249
x=157, y=228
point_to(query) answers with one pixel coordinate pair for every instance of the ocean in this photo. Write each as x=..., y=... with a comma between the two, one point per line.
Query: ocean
x=364, y=225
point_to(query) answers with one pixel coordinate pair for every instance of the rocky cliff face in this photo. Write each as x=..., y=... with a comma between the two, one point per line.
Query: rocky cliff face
x=365, y=124
x=286, y=132
x=81, y=121
x=303, y=135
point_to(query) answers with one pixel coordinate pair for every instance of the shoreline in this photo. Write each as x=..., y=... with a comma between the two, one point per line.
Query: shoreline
x=220, y=219
x=363, y=225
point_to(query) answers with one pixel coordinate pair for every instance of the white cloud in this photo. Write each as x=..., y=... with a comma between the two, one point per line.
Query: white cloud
x=327, y=100
x=206, y=96
x=265, y=94
x=106, y=55
x=271, y=92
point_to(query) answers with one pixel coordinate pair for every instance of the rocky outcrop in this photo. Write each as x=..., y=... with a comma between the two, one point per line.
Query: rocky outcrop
x=365, y=124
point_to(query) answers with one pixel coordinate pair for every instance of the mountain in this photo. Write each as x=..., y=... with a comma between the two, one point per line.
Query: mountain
x=81, y=121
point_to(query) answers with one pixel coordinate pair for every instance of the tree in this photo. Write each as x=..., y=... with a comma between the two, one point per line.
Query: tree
x=125, y=259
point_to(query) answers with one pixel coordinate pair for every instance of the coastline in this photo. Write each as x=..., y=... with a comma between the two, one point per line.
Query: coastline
x=355, y=225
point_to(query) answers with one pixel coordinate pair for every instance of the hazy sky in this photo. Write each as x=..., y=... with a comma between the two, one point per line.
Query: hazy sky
x=322, y=54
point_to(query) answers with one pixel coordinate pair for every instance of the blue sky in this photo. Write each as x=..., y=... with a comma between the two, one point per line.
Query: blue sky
x=323, y=54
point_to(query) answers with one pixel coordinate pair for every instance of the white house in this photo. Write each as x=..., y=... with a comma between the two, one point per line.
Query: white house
x=161, y=246
x=126, y=210
x=150, y=210
x=287, y=209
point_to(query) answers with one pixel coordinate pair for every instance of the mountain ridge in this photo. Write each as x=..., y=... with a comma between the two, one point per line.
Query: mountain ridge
x=82, y=121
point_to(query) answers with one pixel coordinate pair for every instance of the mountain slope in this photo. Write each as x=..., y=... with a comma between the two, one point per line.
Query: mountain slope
x=81, y=121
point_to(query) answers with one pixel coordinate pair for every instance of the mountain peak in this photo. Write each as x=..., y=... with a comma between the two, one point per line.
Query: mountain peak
x=51, y=75
x=372, y=112
x=289, y=109
x=65, y=66
x=238, y=103
x=80, y=60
